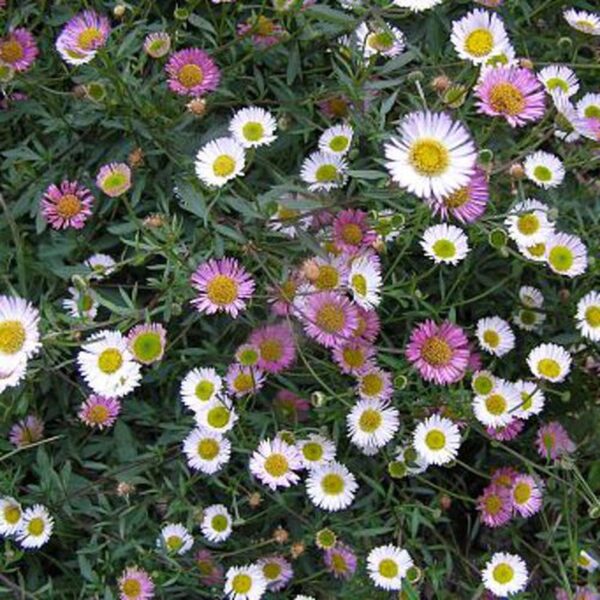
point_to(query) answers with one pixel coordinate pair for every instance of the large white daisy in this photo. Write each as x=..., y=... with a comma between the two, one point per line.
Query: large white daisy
x=505, y=574
x=216, y=525
x=253, y=127
x=324, y=171
x=445, y=243
x=549, y=361
x=437, y=440
x=36, y=527
x=219, y=161
x=372, y=423
x=528, y=223
x=206, y=450
x=331, y=486
x=388, y=565
x=544, y=169
x=364, y=281
x=498, y=408
x=495, y=335
x=175, y=538
x=199, y=387
x=588, y=316
x=275, y=463
x=245, y=583
x=19, y=331
x=11, y=515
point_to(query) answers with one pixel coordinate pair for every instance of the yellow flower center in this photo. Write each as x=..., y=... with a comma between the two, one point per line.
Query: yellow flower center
x=370, y=420
x=444, y=249
x=190, y=75
x=436, y=351
x=222, y=290
x=496, y=404
x=592, y=112
x=479, y=42
x=332, y=484
x=435, y=439
x=371, y=384
x=338, y=143
x=537, y=250
x=429, y=157
x=12, y=514
x=264, y=26
x=542, y=173
x=503, y=573
x=88, y=38
x=328, y=278
x=207, y=449
x=11, y=51
x=528, y=224
x=36, y=526
x=98, y=414
x=219, y=523
x=491, y=338
x=276, y=465
x=110, y=361
x=380, y=41
x=548, y=367
x=132, y=588
x=585, y=26
x=330, y=318
x=507, y=99
x=218, y=417
x=522, y=493
x=483, y=385
x=244, y=382
x=493, y=504
x=457, y=198
x=68, y=206
x=353, y=357
x=526, y=400
x=12, y=336
x=388, y=568
x=561, y=258
x=223, y=165
x=583, y=560
x=288, y=290
x=272, y=571
x=326, y=173
x=359, y=284
x=271, y=350
x=352, y=234
x=174, y=543
x=592, y=316
x=312, y=451
x=253, y=131
x=204, y=390
x=241, y=583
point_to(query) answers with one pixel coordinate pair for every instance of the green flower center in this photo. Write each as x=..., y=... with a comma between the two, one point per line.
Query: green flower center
x=338, y=143
x=592, y=316
x=326, y=173
x=496, y=404
x=542, y=173
x=147, y=347
x=241, y=583
x=219, y=523
x=435, y=439
x=218, y=417
x=312, y=451
x=36, y=526
x=561, y=258
x=548, y=367
x=444, y=249
x=253, y=131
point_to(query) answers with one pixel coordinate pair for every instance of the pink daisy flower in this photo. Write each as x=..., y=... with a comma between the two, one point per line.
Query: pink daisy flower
x=223, y=286
x=86, y=32
x=211, y=573
x=374, y=383
x=291, y=407
x=263, y=32
x=18, y=49
x=507, y=432
x=275, y=462
x=135, y=584
x=277, y=570
x=512, y=93
x=526, y=495
x=276, y=347
x=474, y=359
x=341, y=561
x=281, y=297
x=468, y=203
x=495, y=505
x=67, y=205
x=504, y=476
x=192, y=72
x=26, y=432
x=552, y=441
x=352, y=232
x=242, y=380
x=439, y=352
x=369, y=325
x=581, y=593
x=329, y=318
x=99, y=411
x=114, y=179
x=354, y=356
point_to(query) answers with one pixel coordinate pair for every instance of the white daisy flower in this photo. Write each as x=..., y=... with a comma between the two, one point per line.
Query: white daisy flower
x=206, y=450
x=216, y=523
x=324, y=171
x=219, y=161
x=107, y=365
x=479, y=35
x=549, y=361
x=336, y=139
x=330, y=273
x=388, y=565
x=245, y=583
x=417, y=5
x=588, y=107
x=71, y=56
x=100, y=265
x=288, y=221
x=175, y=538
x=504, y=57
x=495, y=335
x=445, y=243
x=274, y=463
x=566, y=254
x=588, y=316
x=219, y=415
x=437, y=440
x=587, y=562
x=535, y=252
x=81, y=304
x=19, y=331
x=498, y=408
x=582, y=20
x=36, y=527
x=433, y=155
x=559, y=79
x=253, y=127
x=373, y=40
x=415, y=463
x=315, y=450
x=505, y=574
x=544, y=169
x=570, y=125
x=531, y=297
x=364, y=281
x=388, y=225
x=11, y=515
x=528, y=319
x=199, y=387
x=528, y=223
x=12, y=373
x=483, y=382
x=532, y=399
x=372, y=423
x=331, y=486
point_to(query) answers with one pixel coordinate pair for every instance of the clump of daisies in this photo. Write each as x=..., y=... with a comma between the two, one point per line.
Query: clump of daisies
x=31, y=527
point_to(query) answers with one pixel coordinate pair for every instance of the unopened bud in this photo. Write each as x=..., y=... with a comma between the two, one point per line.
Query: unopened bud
x=441, y=83
x=297, y=549
x=119, y=11
x=526, y=63
x=136, y=158
x=197, y=106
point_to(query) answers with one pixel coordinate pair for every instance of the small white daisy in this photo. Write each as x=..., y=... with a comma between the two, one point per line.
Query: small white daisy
x=12, y=373
x=528, y=319
x=206, y=450
x=288, y=221
x=534, y=252
x=100, y=265
x=417, y=5
x=483, y=382
x=245, y=583
x=107, y=365
x=566, y=254
x=336, y=139
x=495, y=335
x=175, y=538
x=587, y=562
x=385, y=40
x=19, y=331
x=505, y=574
x=324, y=171
x=528, y=223
x=372, y=423
x=531, y=297
x=274, y=463
x=582, y=20
x=559, y=79
x=315, y=450
x=364, y=281
x=388, y=565
x=549, y=361
x=479, y=35
x=415, y=463
x=331, y=486
x=433, y=155
x=216, y=523
x=219, y=161
x=437, y=440
x=497, y=408
x=81, y=305
x=218, y=415
x=532, y=399
x=445, y=243
x=253, y=127
x=544, y=169
x=588, y=107
x=588, y=316
x=36, y=527
x=199, y=387
x=11, y=515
